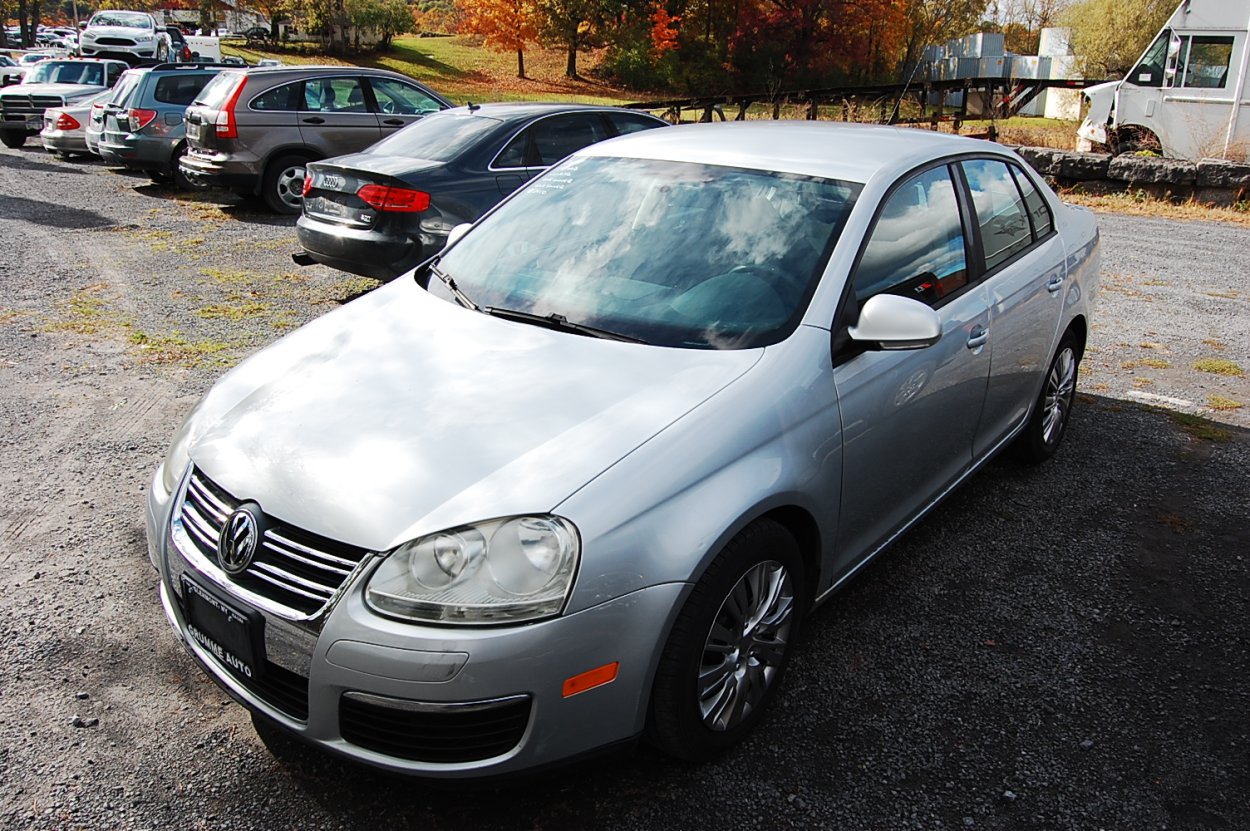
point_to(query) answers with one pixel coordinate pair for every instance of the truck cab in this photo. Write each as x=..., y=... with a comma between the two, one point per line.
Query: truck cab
x=1186, y=96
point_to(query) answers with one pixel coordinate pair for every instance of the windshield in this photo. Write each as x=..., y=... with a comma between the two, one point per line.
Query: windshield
x=131, y=20
x=66, y=72
x=438, y=137
x=670, y=253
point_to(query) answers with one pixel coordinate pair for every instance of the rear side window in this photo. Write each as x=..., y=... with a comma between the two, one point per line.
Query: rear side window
x=917, y=247
x=1039, y=211
x=999, y=208
x=334, y=95
x=218, y=91
x=632, y=123
x=179, y=89
x=398, y=98
x=286, y=97
x=562, y=135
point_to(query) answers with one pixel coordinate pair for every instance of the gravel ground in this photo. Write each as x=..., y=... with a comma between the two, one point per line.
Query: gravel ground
x=1057, y=647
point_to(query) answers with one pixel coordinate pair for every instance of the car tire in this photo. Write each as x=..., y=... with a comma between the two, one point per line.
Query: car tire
x=729, y=646
x=12, y=138
x=284, y=179
x=1053, y=409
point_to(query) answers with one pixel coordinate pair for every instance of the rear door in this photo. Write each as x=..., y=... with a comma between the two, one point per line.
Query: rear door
x=334, y=116
x=397, y=104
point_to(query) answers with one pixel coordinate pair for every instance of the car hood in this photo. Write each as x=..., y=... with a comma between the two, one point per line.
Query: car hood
x=401, y=414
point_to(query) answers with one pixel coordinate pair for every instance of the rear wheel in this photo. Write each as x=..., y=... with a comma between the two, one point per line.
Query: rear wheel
x=1053, y=409
x=12, y=138
x=283, y=186
x=729, y=646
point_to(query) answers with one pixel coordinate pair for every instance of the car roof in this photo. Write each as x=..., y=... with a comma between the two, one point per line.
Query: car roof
x=521, y=110
x=850, y=152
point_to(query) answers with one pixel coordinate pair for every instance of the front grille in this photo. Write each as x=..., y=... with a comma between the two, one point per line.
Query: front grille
x=296, y=569
x=21, y=106
x=114, y=42
x=285, y=690
x=467, y=733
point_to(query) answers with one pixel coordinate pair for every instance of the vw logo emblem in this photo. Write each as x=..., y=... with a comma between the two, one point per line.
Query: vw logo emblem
x=236, y=547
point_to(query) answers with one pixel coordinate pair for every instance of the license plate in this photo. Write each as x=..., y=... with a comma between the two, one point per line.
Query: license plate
x=193, y=130
x=329, y=181
x=330, y=208
x=34, y=122
x=231, y=635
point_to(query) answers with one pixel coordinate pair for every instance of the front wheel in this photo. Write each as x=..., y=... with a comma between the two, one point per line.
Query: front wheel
x=283, y=186
x=729, y=646
x=12, y=138
x=1053, y=409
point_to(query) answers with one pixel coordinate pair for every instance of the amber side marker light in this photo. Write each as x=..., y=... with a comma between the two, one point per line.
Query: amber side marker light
x=590, y=679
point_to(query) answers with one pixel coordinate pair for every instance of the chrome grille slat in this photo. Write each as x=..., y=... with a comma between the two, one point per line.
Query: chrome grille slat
x=280, y=584
x=342, y=572
x=292, y=568
x=293, y=579
x=303, y=549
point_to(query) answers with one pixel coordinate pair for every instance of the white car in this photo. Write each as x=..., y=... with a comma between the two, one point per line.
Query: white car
x=126, y=35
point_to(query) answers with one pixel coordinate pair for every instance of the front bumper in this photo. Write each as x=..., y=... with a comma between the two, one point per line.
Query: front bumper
x=374, y=689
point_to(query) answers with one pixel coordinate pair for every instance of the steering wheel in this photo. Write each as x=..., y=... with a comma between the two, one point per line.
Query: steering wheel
x=788, y=286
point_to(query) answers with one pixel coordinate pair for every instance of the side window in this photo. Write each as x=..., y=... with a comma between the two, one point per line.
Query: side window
x=1149, y=71
x=398, y=98
x=112, y=73
x=1204, y=61
x=626, y=123
x=999, y=209
x=558, y=136
x=334, y=95
x=516, y=154
x=1039, y=211
x=917, y=246
x=285, y=97
x=179, y=89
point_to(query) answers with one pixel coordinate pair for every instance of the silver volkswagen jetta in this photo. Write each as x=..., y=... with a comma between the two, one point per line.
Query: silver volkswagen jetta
x=581, y=478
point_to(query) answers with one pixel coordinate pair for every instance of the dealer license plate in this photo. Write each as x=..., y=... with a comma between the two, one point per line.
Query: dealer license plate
x=231, y=635
x=193, y=130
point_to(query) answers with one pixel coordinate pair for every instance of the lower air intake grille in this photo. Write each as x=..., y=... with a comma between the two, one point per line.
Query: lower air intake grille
x=461, y=733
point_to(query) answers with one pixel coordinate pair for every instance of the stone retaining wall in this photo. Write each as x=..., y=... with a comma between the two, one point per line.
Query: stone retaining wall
x=1210, y=181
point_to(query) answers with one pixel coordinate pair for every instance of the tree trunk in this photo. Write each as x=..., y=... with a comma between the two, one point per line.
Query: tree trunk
x=23, y=22
x=520, y=62
x=34, y=19
x=570, y=69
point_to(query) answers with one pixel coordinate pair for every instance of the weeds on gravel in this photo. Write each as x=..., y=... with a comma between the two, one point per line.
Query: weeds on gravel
x=1200, y=428
x=1222, y=404
x=227, y=276
x=1153, y=363
x=1219, y=366
x=10, y=315
x=86, y=312
x=345, y=290
x=175, y=349
x=1223, y=295
x=233, y=311
x=1142, y=204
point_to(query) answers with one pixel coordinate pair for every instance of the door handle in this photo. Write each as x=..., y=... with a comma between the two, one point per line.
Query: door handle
x=314, y=120
x=1054, y=284
x=393, y=122
x=978, y=338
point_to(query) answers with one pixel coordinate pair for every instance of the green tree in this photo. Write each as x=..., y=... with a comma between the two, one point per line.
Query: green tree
x=571, y=24
x=1108, y=36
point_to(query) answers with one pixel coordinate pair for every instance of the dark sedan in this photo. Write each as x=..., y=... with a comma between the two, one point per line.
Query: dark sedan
x=380, y=212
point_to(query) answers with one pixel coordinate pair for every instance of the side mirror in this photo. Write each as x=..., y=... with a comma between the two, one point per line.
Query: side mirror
x=454, y=235
x=888, y=321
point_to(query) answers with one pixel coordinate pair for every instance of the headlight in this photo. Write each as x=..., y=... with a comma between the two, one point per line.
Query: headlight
x=144, y=38
x=500, y=571
x=177, y=459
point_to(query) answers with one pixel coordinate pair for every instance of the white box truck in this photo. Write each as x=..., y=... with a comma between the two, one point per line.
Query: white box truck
x=1186, y=97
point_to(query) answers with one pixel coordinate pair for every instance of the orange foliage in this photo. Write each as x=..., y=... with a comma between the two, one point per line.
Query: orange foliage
x=663, y=30
x=507, y=25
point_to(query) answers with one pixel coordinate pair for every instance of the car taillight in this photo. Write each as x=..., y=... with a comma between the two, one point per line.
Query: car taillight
x=225, y=124
x=307, y=185
x=395, y=200
x=186, y=53
x=140, y=119
x=65, y=121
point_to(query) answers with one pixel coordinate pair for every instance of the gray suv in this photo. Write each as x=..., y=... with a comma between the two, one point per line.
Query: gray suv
x=252, y=131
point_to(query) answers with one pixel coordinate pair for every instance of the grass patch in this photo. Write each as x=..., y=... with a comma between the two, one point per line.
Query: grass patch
x=11, y=315
x=344, y=290
x=1222, y=404
x=1140, y=204
x=87, y=312
x=1200, y=428
x=1223, y=295
x=233, y=311
x=1153, y=363
x=1215, y=344
x=227, y=277
x=177, y=350
x=1219, y=366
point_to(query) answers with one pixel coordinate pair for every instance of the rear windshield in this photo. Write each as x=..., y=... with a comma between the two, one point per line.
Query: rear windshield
x=181, y=88
x=124, y=87
x=218, y=90
x=437, y=137
x=67, y=72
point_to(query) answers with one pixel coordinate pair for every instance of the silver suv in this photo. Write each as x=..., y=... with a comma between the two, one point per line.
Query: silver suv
x=253, y=130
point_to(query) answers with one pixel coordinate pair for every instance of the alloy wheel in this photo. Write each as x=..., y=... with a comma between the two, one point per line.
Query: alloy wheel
x=1060, y=386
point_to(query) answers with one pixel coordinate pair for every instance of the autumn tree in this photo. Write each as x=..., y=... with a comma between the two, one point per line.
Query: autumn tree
x=1108, y=36
x=937, y=21
x=506, y=25
x=572, y=25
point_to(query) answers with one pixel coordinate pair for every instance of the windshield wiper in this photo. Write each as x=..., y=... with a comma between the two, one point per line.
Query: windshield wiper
x=558, y=322
x=461, y=298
